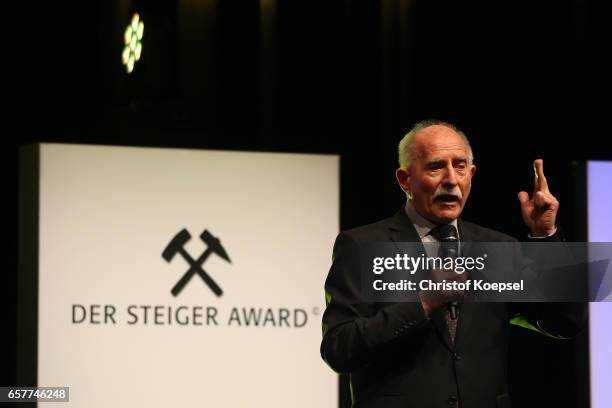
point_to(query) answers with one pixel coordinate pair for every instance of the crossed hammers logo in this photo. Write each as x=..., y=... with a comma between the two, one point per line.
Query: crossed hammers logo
x=177, y=246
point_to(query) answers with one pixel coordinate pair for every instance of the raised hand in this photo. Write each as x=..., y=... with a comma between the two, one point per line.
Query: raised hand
x=539, y=211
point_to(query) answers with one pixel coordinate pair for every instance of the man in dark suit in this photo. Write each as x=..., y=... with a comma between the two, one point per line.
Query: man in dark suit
x=432, y=353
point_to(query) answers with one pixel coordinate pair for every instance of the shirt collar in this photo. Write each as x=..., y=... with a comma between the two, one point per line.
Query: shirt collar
x=422, y=225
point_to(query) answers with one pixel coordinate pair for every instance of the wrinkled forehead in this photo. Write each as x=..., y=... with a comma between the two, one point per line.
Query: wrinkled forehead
x=439, y=142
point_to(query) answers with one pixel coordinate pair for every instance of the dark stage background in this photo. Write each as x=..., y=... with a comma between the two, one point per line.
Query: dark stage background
x=523, y=79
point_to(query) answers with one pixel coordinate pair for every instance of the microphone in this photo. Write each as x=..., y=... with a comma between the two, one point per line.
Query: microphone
x=448, y=237
x=453, y=309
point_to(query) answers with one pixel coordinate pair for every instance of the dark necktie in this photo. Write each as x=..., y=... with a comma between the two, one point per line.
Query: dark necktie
x=447, y=235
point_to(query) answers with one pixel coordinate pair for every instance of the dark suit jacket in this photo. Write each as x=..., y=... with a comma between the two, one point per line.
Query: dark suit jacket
x=397, y=357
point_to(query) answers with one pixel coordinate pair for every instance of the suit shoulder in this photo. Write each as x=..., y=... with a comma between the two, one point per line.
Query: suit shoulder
x=484, y=234
x=375, y=231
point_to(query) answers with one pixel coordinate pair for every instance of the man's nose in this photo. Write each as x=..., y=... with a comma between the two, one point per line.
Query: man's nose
x=450, y=177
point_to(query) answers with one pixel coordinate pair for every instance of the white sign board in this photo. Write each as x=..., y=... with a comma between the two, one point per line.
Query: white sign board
x=248, y=235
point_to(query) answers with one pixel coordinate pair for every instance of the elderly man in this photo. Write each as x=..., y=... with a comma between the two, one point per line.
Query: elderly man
x=431, y=354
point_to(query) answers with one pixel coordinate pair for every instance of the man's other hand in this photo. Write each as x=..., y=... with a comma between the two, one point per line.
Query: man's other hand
x=539, y=211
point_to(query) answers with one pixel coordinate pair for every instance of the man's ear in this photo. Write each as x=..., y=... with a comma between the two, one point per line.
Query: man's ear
x=472, y=170
x=403, y=178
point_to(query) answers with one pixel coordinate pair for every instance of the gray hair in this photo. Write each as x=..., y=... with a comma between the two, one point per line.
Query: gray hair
x=406, y=145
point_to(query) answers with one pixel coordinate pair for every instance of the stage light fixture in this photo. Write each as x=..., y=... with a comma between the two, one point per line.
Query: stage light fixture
x=132, y=40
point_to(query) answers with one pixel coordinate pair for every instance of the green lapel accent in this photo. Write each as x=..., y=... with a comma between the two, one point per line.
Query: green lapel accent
x=522, y=321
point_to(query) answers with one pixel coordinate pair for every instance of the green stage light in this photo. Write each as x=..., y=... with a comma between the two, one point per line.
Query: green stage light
x=132, y=40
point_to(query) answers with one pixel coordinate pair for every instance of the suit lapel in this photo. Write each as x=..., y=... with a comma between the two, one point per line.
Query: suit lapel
x=401, y=229
x=467, y=311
